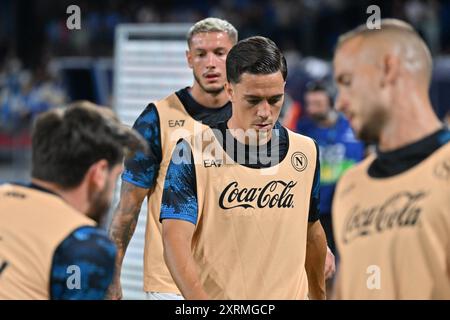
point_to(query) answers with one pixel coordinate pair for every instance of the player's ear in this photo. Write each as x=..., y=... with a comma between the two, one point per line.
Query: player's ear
x=229, y=90
x=391, y=69
x=189, y=58
x=98, y=174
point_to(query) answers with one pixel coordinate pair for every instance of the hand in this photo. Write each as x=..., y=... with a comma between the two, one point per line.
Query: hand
x=330, y=265
x=114, y=291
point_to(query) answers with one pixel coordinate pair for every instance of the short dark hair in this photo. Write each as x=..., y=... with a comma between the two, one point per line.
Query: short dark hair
x=66, y=142
x=255, y=55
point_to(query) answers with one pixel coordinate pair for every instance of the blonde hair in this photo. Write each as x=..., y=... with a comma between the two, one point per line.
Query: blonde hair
x=213, y=25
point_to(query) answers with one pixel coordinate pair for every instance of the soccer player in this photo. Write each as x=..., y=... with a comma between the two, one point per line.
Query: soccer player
x=162, y=124
x=239, y=222
x=391, y=213
x=50, y=247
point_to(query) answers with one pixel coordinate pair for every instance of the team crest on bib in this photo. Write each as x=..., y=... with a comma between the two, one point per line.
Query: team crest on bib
x=299, y=161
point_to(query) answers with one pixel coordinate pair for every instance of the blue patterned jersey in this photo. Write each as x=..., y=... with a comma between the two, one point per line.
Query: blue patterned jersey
x=82, y=266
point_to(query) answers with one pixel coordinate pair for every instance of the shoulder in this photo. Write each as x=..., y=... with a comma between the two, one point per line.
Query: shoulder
x=149, y=116
x=87, y=247
x=349, y=181
x=300, y=137
x=152, y=112
x=440, y=159
x=88, y=237
x=174, y=100
x=359, y=169
x=87, y=257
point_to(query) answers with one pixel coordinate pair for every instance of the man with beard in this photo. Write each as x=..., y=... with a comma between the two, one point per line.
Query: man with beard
x=391, y=213
x=162, y=124
x=50, y=246
x=339, y=149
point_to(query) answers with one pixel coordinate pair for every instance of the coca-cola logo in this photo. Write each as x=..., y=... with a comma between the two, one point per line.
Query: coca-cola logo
x=275, y=194
x=401, y=210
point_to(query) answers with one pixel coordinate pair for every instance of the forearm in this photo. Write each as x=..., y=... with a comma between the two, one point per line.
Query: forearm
x=122, y=229
x=316, y=250
x=125, y=218
x=182, y=266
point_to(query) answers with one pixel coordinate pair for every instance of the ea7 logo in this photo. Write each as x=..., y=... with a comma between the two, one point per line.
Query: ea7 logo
x=176, y=123
x=212, y=163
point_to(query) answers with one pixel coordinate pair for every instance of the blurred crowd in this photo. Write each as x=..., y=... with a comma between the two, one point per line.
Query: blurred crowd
x=308, y=26
x=34, y=32
x=25, y=93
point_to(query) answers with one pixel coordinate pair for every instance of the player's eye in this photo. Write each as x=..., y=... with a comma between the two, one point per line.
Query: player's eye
x=275, y=100
x=253, y=101
x=345, y=80
x=220, y=53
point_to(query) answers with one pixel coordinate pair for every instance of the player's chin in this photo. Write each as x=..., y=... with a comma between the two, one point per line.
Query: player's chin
x=213, y=88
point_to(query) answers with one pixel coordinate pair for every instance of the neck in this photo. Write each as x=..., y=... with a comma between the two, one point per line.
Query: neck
x=208, y=100
x=413, y=120
x=76, y=197
x=247, y=137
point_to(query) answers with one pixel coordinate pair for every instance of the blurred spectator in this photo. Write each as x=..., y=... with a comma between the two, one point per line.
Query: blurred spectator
x=339, y=149
x=291, y=112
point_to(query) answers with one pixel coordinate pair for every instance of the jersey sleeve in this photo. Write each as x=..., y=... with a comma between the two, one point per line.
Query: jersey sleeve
x=314, y=203
x=82, y=266
x=179, y=200
x=142, y=169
